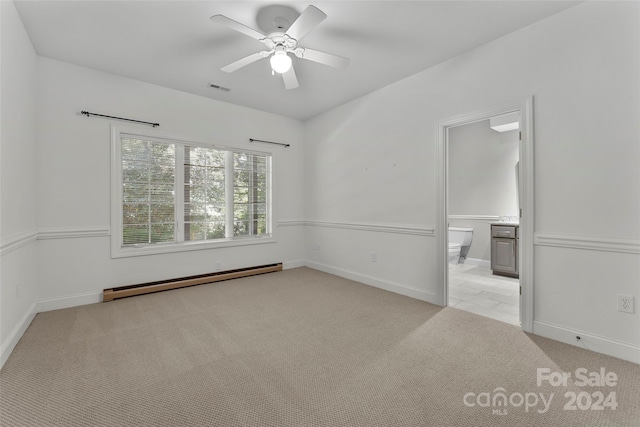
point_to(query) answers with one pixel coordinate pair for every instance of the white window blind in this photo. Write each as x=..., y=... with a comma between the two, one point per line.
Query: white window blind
x=204, y=194
x=179, y=193
x=249, y=194
x=148, y=196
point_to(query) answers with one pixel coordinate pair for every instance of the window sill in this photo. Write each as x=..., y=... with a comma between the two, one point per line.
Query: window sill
x=167, y=248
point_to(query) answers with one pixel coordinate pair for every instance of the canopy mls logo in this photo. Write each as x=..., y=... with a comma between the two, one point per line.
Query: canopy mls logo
x=591, y=399
x=498, y=401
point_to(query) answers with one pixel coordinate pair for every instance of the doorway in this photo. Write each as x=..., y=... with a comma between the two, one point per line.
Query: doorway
x=483, y=217
x=523, y=214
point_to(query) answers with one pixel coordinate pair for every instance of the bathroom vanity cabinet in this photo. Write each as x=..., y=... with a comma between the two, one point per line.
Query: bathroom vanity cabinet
x=504, y=249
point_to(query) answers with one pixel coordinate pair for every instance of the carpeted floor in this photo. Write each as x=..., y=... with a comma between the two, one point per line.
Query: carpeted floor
x=299, y=348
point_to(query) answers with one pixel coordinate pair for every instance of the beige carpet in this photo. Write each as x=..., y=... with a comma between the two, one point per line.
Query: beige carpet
x=295, y=348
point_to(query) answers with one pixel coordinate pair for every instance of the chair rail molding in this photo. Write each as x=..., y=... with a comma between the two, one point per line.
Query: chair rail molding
x=476, y=217
x=586, y=242
x=416, y=230
x=291, y=223
x=47, y=233
x=17, y=240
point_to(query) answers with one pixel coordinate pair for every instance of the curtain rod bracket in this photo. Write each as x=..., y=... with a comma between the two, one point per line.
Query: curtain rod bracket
x=88, y=114
x=269, y=142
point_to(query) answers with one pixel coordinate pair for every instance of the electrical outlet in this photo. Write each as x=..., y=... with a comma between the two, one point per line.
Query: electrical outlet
x=316, y=246
x=625, y=303
x=374, y=257
x=218, y=265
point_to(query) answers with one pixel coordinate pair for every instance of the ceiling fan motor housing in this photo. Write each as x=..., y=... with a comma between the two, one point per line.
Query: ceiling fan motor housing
x=279, y=39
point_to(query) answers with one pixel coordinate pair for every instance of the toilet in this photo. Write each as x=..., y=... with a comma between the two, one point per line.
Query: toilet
x=454, y=253
x=459, y=243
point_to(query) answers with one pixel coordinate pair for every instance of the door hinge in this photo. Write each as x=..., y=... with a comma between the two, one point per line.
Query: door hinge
x=520, y=135
x=520, y=212
x=520, y=290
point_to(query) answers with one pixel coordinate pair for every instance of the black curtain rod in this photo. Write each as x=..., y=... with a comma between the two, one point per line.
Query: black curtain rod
x=268, y=142
x=86, y=113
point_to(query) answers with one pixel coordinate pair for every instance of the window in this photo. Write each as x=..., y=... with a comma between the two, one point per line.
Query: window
x=204, y=194
x=173, y=195
x=148, y=195
x=249, y=194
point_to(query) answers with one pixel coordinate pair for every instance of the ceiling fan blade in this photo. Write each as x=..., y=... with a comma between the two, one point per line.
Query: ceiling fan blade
x=244, y=61
x=221, y=19
x=306, y=22
x=290, y=79
x=324, y=58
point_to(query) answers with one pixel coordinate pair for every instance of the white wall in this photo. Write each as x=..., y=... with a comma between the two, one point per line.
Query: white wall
x=482, y=181
x=373, y=161
x=74, y=186
x=18, y=278
x=482, y=170
x=360, y=179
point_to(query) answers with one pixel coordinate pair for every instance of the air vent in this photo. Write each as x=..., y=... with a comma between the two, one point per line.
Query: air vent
x=225, y=89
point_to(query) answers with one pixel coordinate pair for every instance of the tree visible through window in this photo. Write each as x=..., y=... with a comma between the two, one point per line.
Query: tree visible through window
x=249, y=194
x=173, y=192
x=148, y=176
x=204, y=194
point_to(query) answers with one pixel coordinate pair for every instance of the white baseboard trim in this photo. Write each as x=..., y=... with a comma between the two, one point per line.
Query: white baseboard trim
x=478, y=262
x=16, y=334
x=588, y=341
x=287, y=265
x=377, y=283
x=69, y=301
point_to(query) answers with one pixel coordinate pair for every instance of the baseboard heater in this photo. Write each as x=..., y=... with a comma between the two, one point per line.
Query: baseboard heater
x=182, y=282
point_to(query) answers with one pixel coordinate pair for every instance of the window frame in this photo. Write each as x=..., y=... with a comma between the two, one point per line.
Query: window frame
x=118, y=250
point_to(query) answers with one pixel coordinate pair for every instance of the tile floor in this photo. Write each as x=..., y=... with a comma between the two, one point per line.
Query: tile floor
x=475, y=289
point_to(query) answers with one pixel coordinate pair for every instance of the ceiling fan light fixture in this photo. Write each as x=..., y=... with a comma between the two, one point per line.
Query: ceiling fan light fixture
x=280, y=42
x=280, y=62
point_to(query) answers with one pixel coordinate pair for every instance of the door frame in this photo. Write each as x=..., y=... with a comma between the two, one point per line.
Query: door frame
x=526, y=178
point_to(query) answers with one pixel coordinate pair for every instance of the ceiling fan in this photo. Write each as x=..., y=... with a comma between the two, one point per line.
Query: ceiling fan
x=281, y=41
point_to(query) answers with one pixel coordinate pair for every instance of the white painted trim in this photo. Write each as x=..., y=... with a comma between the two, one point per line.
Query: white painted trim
x=415, y=230
x=397, y=288
x=288, y=265
x=442, y=214
x=18, y=240
x=291, y=223
x=527, y=222
x=72, y=232
x=599, y=344
x=96, y=297
x=592, y=243
x=69, y=301
x=476, y=217
x=15, y=335
x=525, y=108
x=115, y=189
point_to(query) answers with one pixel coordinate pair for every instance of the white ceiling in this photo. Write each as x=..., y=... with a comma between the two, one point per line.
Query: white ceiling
x=174, y=44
